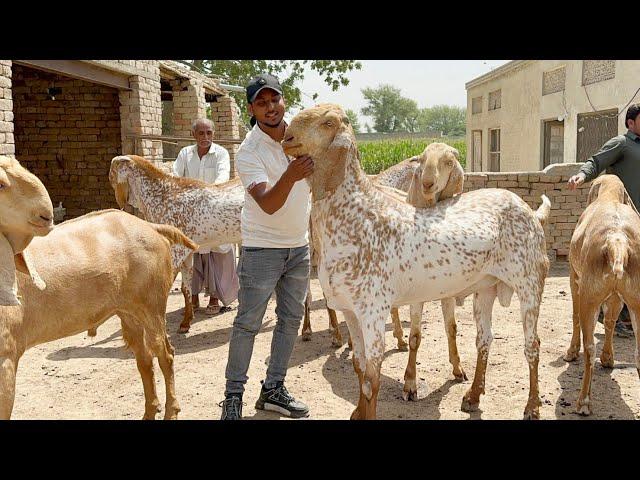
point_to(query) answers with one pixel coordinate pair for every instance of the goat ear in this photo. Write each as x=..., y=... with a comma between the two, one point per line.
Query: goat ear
x=593, y=192
x=628, y=201
x=455, y=183
x=8, y=287
x=330, y=172
x=4, y=179
x=414, y=159
x=25, y=265
x=414, y=194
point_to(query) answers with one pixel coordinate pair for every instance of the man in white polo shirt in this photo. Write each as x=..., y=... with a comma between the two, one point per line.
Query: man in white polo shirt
x=214, y=268
x=275, y=252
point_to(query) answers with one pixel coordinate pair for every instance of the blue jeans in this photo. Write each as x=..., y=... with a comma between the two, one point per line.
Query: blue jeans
x=261, y=271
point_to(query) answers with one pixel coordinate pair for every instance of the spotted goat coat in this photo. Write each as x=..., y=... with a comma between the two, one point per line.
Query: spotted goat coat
x=377, y=253
x=396, y=181
x=208, y=214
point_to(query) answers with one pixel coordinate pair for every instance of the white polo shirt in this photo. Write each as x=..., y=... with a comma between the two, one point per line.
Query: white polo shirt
x=261, y=159
x=214, y=167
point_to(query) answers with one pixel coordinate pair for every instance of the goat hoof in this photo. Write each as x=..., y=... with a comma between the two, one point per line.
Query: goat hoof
x=468, y=406
x=533, y=414
x=460, y=376
x=571, y=355
x=306, y=336
x=403, y=347
x=356, y=415
x=583, y=408
x=171, y=414
x=336, y=343
x=410, y=395
x=182, y=329
x=606, y=361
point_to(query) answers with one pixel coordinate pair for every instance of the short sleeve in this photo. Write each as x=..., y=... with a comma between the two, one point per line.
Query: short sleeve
x=250, y=169
x=223, y=166
x=179, y=166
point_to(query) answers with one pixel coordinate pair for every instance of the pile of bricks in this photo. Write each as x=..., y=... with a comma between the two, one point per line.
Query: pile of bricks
x=566, y=205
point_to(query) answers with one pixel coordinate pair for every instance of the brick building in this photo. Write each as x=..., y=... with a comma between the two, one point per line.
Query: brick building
x=66, y=119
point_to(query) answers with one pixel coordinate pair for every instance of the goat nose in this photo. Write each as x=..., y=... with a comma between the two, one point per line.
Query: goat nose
x=427, y=185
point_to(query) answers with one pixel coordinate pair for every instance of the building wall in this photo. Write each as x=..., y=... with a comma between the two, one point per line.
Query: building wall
x=7, y=139
x=67, y=142
x=524, y=108
x=566, y=205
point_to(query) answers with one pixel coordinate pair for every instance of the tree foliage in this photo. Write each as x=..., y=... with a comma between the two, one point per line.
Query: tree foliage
x=289, y=72
x=353, y=119
x=448, y=119
x=391, y=112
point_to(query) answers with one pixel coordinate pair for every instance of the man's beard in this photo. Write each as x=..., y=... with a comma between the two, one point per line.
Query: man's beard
x=271, y=125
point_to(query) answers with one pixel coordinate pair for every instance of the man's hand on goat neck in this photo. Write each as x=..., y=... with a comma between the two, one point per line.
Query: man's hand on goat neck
x=272, y=199
x=576, y=181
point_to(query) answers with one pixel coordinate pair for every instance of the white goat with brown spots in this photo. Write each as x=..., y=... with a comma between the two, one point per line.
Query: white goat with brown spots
x=604, y=270
x=208, y=214
x=377, y=253
x=435, y=174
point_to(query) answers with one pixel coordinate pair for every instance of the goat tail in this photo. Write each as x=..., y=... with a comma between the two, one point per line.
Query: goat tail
x=174, y=235
x=542, y=213
x=616, y=249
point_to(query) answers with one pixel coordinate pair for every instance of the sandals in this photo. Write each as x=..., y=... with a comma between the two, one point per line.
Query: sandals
x=216, y=309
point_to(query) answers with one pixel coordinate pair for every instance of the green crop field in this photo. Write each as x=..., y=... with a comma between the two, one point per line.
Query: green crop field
x=379, y=155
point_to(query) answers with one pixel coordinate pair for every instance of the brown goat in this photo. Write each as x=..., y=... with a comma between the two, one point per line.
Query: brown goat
x=604, y=270
x=101, y=264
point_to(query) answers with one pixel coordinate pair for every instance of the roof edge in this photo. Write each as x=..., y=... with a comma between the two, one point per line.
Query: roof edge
x=501, y=70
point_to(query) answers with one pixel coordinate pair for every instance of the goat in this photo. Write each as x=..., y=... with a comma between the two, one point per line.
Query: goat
x=377, y=253
x=26, y=211
x=208, y=214
x=101, y=264
x=435, y=174
x=604, y=269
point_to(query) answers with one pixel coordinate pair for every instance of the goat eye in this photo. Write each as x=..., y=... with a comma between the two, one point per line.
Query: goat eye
x=329, y=124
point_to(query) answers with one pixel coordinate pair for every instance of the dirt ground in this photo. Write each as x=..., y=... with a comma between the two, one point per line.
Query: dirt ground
x=96, y=378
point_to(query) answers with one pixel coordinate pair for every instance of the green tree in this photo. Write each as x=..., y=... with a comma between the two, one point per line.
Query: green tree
x=391, y=112
x=289, y=72
x=353, y=118
x=448, y=119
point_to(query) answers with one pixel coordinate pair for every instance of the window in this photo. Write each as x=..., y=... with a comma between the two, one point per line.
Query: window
x=553, y=142
x=495, y=100
x=594, y=71
x=476, y=105
x=494, y=150
x=553, y=80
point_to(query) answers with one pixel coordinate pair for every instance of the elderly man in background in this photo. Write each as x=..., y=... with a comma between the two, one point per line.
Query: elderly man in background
x=214, y=269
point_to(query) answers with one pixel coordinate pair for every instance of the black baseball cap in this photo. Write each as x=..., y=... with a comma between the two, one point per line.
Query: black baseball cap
x=264, y=80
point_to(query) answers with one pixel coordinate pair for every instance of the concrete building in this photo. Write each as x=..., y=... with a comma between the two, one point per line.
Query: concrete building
x=528, y=114
x=66, y=119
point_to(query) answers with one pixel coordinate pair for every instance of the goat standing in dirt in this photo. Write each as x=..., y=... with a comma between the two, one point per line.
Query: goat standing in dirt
x=604, y=269
x=488, y=241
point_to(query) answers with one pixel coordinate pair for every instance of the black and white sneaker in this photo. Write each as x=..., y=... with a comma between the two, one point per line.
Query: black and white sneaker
x=231, y=408
x=278, y=399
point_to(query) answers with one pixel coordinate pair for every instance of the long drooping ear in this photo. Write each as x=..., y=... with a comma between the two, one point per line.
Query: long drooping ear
x=628, y=201
x=414, y=194
x=8, y=286
x=455, y=183
x=330, y=171
x=25, y=265
x=593, y=192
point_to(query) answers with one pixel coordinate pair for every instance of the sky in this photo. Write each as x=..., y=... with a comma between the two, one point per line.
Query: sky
x=428, y=82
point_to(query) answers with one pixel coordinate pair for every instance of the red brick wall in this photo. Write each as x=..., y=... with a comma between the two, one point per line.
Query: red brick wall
x=67, y=142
